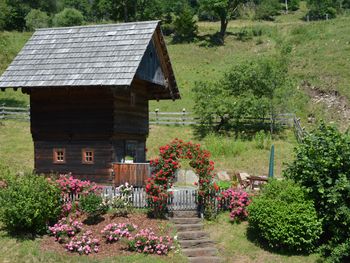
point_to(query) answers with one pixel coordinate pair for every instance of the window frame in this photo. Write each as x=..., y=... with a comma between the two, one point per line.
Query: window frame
x=55, y=155
x=83, y=156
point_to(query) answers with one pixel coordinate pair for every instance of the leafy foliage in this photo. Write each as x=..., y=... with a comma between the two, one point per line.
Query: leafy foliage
x=319, y=9
x=267, y=9
x=285, y=218
x=36, y=19
x=28, y=203
x=322, y=166
x=237, y=202
x=92, y=204
x=250, y=89
x=185, y=26
x=68, y=17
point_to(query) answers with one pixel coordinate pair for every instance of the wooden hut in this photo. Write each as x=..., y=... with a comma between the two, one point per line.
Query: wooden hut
x=89, y=88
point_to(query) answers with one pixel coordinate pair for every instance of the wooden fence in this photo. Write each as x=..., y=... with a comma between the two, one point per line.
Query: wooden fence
x=17, y=113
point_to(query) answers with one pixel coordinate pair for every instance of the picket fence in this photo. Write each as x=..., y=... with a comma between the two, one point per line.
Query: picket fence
x=182, y=198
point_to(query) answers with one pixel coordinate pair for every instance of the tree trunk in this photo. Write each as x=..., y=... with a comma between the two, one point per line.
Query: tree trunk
x=125, y=12
x=286, y=3
x=223, y=27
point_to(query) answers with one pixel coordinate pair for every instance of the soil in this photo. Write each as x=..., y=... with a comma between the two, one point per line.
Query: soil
x=332, y=99
x=160, y=227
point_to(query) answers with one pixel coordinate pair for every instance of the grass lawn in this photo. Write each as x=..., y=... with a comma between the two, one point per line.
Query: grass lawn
x=234, y=246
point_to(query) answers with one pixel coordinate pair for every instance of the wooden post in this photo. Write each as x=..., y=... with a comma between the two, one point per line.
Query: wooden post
x=327, y=17
x=183, y=116
x=2, y=112
x=308, y=18
x=286, y=4
x=156, y=111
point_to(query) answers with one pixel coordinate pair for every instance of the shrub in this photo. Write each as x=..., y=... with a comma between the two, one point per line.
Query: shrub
x=114, y=232
x=185, y=26
x=318, y=9
x=285, y=218
x=68, y=17
x=322, y=166
x=121, y=203
x=92, y=204
x=36, y=19
x=267, y=9
x=70, y=188
x=28, y=203
x=83, y=244
x=64, y=229
x=237, y=202
x=145, y=241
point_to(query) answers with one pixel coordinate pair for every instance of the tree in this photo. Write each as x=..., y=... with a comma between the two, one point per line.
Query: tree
x=250, y=89
x=223, y=9
x=4, y=11
x=267, y=9
x=185, y=26
x=36, y=19
x=68, y=17
x=83, y=6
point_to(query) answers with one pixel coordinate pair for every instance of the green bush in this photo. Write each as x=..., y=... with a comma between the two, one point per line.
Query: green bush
x=185, y=28
x=36, y=19
x=285, y=218
x=322, y=166
x=92, y=204
x=68, y=17
x=28, y=203
x=318, y=9
x=267, y=9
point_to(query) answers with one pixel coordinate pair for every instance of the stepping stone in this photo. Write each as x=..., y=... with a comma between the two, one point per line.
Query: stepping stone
x=189, y=227
x=185, y=220
x=196, y=243
x=190, y=235
x=205, y=260
x=200, y=252
x=185, y=214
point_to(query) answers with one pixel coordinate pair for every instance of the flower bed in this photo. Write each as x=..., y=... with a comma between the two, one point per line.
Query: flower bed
x=114, y=232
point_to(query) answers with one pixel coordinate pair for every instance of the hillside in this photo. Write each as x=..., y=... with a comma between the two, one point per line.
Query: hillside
x=320, y=58
x=320, y=64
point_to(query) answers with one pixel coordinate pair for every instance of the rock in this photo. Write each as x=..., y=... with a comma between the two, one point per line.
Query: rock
x=223, y=176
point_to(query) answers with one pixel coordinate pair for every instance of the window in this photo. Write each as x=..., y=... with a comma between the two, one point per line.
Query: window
x=88, y=156
x=59, y=156
x=130, y=149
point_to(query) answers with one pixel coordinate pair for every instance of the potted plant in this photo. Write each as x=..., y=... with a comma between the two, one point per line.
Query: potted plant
x=129, y=159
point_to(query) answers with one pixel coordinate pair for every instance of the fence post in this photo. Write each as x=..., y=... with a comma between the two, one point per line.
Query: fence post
x=2, y=112
x=156, y=111
x=183, y=116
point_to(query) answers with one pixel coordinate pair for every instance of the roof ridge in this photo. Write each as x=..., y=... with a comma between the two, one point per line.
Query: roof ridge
x=98, y=25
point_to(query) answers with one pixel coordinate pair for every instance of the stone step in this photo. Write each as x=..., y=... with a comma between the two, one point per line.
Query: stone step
x=196, y=243
x=190, y=235
x=189, y=227
x=185, y=220
x=186, y=214
x=204, y=260
x=200, y=252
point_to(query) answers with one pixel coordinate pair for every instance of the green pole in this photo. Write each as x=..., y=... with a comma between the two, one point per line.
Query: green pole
x=271, y=164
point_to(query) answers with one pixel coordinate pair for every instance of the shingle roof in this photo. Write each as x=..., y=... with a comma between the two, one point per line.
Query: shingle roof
x=106, y=55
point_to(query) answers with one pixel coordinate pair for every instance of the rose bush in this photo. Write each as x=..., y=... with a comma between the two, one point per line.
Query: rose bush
x=65, y=229
x=164, y=169
x=83, y=244
x=114, y=232
x=236, y=201
x=146, y=241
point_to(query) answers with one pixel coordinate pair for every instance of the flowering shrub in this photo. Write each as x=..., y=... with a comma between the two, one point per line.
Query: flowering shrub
x=65, y=228
x=114, y=232
x=83, y=244
x=167, y=164
x=236, y=201
x=121, y=203
x=145, y=241
x=71, y=187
